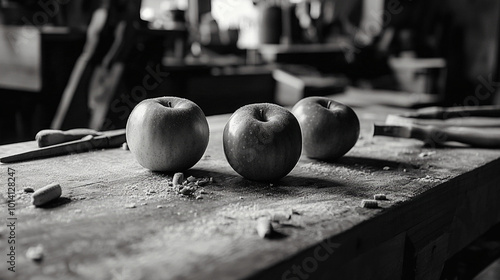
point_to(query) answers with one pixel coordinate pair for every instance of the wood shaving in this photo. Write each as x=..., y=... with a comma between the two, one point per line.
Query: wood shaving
x=46, y=194
x=264, y=227
x=369, y=203
x=35, y=253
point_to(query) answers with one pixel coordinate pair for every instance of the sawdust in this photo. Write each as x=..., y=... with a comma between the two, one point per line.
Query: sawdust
x=149, y=188
x=431, y=179
x=426, y=154
x=35, y=253
x=339, y=171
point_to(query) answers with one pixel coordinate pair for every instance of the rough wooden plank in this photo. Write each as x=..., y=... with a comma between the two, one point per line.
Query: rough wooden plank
x=20, y=58
x=477, y=210
x=431, y=259
x=382, y=262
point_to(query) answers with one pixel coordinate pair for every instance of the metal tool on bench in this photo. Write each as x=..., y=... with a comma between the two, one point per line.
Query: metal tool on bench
x=475, y=126
x=102, y=140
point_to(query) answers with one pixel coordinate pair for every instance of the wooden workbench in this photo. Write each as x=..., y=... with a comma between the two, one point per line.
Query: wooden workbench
x=439, y=200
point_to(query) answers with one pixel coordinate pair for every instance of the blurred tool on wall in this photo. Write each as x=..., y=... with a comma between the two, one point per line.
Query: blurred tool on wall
x=294, y=22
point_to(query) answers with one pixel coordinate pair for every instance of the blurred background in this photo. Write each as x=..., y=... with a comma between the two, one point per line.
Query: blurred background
x=74, y=63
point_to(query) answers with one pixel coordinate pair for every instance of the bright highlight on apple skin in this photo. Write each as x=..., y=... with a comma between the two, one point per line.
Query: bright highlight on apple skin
x=167, y=133
x=262, y=142
x=329, y=129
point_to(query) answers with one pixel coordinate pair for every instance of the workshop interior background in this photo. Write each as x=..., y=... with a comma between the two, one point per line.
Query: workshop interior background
x=74, y=63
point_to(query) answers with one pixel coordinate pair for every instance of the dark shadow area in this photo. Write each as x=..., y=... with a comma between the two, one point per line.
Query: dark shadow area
x=275, y=235
x=198, y=173
x=351, y=161
x=290, y=226
x=309, y=182
x=286, y=186
x=365, y=211
x=474, y=258
x=56, y=203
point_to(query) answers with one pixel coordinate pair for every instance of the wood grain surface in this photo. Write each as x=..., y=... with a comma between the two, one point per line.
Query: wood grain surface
x=117, y=220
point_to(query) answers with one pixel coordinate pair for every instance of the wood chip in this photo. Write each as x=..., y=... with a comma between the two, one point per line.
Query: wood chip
x=426, y=154
x=178, y=179
x=202, y=182
x=28, y=190
x=125, y=146
x=369, y=203
x=264, y=227
x=46, y=194
x=130, y=205
x=187, y=190
x=35, y=253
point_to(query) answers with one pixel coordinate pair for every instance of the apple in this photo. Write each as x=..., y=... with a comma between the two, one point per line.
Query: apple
x=167, y=133
x=262, y=142
x=329, y=128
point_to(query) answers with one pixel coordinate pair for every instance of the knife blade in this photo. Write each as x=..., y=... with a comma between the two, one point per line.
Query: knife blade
x=109, y=139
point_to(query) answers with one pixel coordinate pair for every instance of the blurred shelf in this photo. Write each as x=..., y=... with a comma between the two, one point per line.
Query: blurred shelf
x=61, y=33
x=166, y=29
x=271, y=51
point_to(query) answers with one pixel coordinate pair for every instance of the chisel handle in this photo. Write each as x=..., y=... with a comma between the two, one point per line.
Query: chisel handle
x=49, y=137
x=476, y=137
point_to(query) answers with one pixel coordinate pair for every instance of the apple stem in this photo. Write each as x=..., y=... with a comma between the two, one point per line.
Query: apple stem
x=169, y=104
x=261, y=112
x=329, y=104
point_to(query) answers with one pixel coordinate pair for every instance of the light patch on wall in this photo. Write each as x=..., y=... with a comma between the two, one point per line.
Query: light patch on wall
x=20, y=57
x=238, y=14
